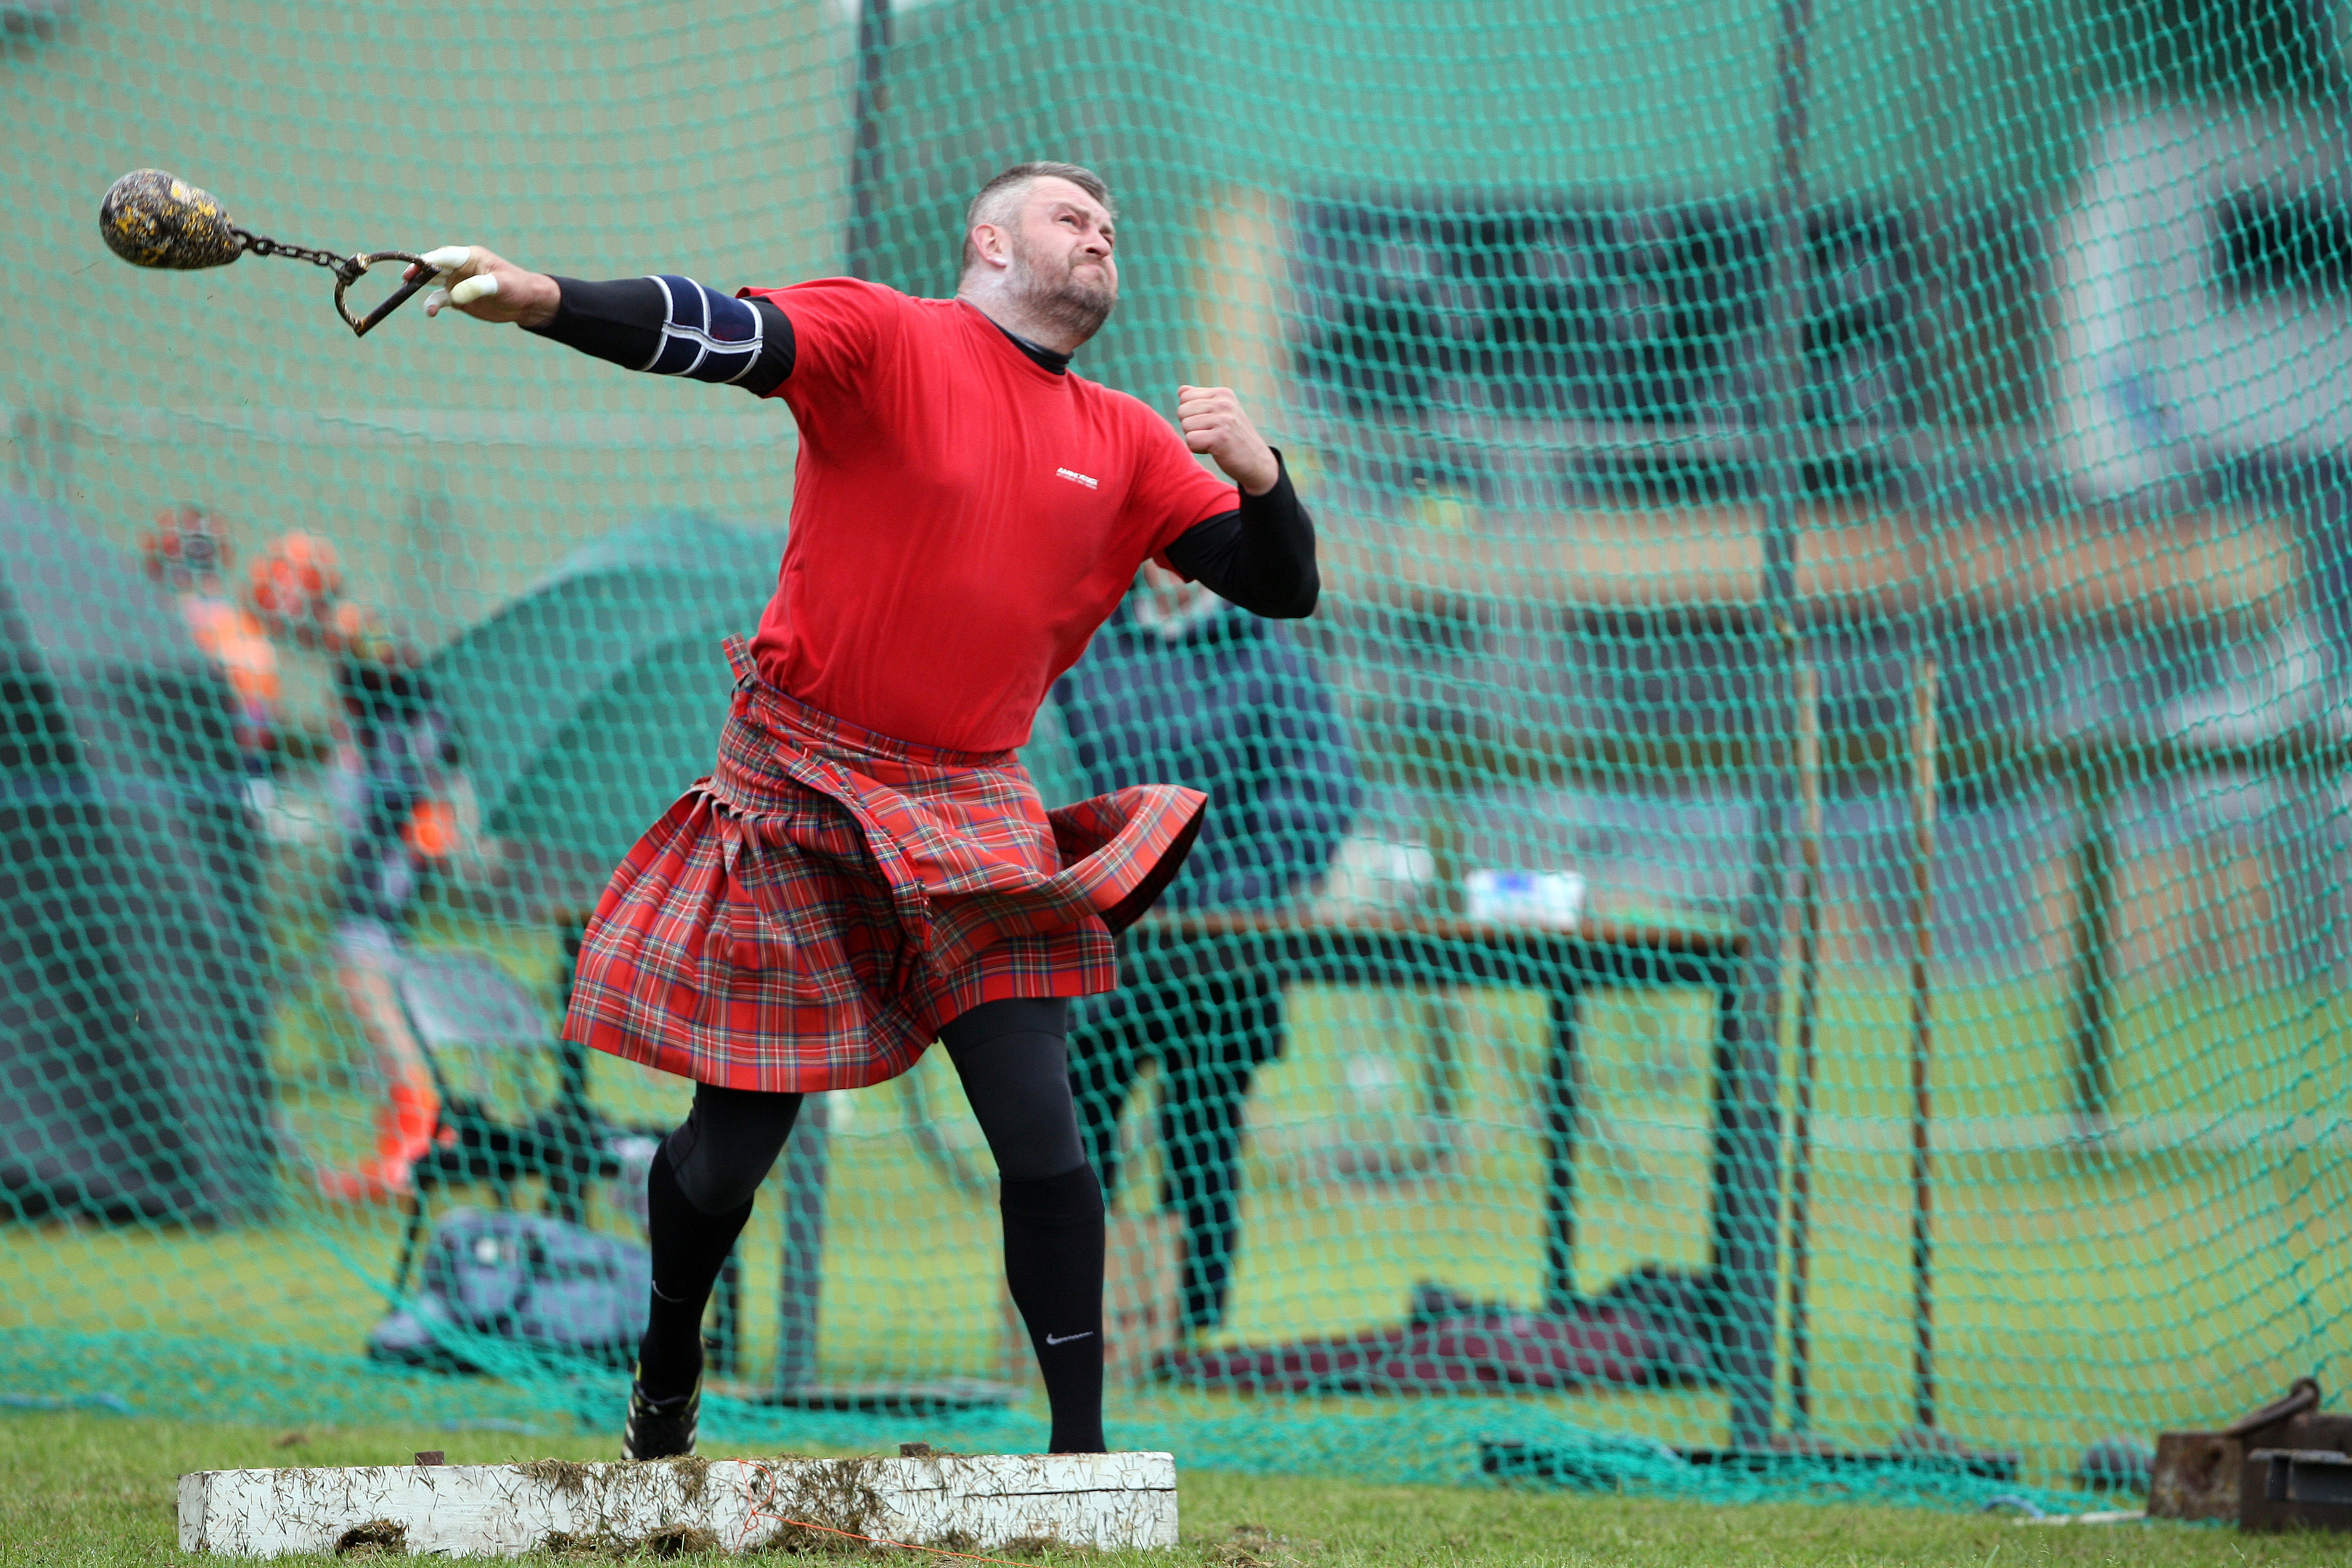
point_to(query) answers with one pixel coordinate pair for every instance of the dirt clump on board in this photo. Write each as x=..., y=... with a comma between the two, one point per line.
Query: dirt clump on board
x=376, y=1538
x=677, y=1541
x=563, y=1475
x=824, y=1506
x=670, y=1540
x=693, y=1475
x=566, y=1543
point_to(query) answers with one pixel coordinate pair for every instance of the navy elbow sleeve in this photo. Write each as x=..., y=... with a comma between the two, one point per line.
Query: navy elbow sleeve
x=670, y=325
x=705, y=335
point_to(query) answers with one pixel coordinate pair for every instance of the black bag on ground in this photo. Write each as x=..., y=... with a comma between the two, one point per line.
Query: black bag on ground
x=547, y=1285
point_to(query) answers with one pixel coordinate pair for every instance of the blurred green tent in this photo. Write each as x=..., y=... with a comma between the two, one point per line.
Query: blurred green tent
x=134, y=956
x=589, y=703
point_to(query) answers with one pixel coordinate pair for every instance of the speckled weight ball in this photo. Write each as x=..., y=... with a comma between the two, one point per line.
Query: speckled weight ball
x=151, y=218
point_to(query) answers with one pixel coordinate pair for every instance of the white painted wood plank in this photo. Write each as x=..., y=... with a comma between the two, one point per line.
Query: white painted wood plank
x=968, y=1503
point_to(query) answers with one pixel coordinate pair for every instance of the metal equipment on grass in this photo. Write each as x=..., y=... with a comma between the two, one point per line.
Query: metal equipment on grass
x=2287, y=1465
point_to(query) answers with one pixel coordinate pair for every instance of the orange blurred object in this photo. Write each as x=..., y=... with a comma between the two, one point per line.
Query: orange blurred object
x=431, y=830
x=187, y=549
x=294, y=585
x=407, y=1126
x=232, y=639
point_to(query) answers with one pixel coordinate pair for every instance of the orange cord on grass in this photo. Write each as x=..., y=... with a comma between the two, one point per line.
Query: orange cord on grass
x=758, y=1513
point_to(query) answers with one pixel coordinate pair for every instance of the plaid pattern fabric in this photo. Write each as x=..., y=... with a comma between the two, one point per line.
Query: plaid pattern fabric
x=807, y=917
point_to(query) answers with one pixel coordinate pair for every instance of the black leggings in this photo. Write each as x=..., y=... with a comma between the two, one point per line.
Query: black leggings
x=1016, y=1073
x=1015, y=1070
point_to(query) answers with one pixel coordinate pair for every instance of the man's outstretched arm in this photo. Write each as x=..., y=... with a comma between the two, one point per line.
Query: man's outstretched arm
x=665, y=325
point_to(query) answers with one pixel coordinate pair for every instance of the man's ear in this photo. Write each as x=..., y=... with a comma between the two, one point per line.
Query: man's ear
x=988, y=241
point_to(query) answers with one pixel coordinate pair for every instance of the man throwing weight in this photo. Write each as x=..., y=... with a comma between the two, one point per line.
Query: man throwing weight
x=868, y=869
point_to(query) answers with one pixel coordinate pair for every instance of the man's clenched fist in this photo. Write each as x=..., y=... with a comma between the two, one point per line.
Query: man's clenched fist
x=488, y=287
x=1215, y=426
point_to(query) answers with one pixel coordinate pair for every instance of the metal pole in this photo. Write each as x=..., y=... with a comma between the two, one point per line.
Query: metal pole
x=803, y=1262
x=2090, y=1005
x=863, y=243
x=1923, y=953
x=1748, y=1247
x=801, y=1278
x=1809, y=1012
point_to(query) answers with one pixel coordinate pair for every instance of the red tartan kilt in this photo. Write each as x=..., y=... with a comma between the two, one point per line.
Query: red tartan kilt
x=808, y=916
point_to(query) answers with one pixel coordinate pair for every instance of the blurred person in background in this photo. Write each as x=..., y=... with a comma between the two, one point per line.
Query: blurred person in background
x=390, y=776
x=1180, y=686
x=393, y=764
x=188, y=553
x=392, y=749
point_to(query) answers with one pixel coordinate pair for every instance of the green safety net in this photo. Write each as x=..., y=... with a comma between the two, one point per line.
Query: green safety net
x=1781, y=927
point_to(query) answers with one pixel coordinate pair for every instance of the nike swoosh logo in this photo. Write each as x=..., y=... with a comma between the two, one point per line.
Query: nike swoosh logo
x=1066, y=1339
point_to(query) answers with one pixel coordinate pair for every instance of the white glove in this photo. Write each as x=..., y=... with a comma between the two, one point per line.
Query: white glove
x=447, y=261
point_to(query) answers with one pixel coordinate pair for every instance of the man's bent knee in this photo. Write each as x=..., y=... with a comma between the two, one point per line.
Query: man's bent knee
x=728, y=1144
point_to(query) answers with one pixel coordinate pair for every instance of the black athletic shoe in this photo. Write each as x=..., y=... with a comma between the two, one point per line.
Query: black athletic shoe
x=663, y=1430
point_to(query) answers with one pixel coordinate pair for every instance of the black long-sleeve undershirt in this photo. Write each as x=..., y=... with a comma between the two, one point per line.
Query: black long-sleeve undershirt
x=1260, y=556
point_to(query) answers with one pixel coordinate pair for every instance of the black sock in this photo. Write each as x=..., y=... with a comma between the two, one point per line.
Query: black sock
x=1053, y=1265
x=690, y=1247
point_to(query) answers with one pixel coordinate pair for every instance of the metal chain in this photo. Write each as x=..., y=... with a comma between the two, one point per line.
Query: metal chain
x=341, y=265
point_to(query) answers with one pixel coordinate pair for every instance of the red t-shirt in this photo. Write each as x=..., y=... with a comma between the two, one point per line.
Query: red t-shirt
x=962, y=518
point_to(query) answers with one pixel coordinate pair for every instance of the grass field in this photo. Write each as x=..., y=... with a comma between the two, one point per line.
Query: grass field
x=96, y=1492
x=2080, y=1293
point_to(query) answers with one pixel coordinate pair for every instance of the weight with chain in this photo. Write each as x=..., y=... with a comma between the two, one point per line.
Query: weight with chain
x=154, y=218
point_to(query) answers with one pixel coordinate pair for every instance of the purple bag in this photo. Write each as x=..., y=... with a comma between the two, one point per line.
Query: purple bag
x=545, y=1284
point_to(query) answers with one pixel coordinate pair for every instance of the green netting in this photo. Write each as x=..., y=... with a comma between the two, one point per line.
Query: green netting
x=1718, y=416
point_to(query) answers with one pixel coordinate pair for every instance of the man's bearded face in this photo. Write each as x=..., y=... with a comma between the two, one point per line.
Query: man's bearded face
x=1060, y=275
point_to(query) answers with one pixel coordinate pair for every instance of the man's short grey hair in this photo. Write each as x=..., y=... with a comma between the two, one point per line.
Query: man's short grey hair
x=999, y=199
